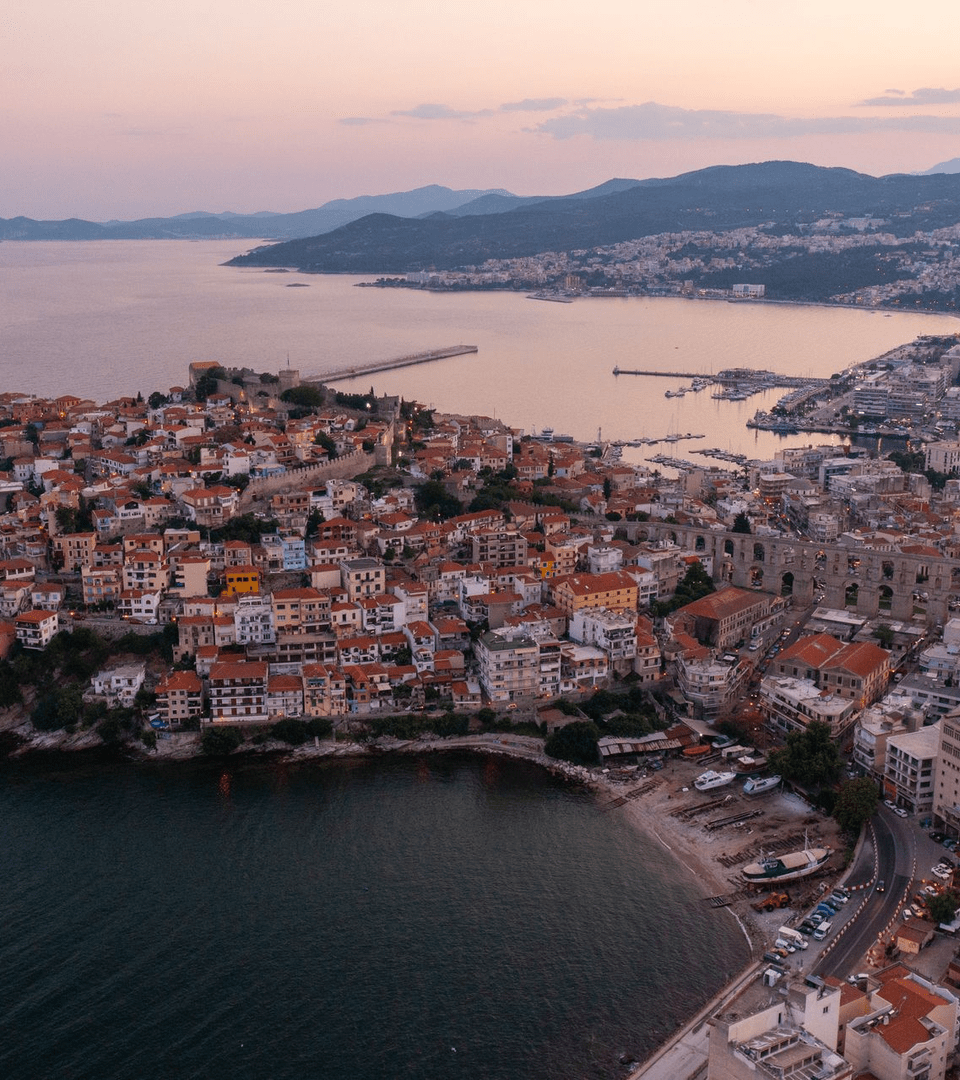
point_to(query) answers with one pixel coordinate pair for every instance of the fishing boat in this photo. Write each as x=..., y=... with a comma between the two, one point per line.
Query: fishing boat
x=709, y=780
x=756, y=786
x=797, y=864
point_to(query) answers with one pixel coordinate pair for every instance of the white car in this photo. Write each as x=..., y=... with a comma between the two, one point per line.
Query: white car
x=900, y=812
x=889, y=804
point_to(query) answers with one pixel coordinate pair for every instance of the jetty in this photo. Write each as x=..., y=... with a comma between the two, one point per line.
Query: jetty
x=389, y=365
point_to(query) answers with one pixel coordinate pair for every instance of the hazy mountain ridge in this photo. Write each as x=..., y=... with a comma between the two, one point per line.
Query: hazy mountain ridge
x=719, y=198
x=202, y=224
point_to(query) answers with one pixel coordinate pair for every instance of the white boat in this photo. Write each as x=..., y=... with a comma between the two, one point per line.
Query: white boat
x=797, y=864
x=709, y=780
x=759, y=787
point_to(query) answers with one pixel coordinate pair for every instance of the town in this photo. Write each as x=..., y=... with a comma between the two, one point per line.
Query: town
x=812, y=262
x=251, y=560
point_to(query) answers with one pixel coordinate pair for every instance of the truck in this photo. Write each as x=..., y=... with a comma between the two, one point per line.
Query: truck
x=794, y=936
x=772, y=901
x=822, y=930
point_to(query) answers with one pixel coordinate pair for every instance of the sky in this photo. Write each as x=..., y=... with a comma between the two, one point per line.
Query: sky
x=125, y=109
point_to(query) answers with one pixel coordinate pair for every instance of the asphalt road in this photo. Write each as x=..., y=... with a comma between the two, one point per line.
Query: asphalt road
x=895, y=853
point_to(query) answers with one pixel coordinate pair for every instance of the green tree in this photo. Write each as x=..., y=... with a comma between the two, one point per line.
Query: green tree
x=434, y=501
x=307, y=397
x=156, y=399
x=810, y=757
x=576, y=742
x=220, y=741
x=944, y=907
x=741, y=524
x=290, y=730
x=855, y=805
x=884, y=635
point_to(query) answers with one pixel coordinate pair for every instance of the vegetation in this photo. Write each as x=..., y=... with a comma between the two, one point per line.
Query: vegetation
x=575, y=742
x=306, y=397
x=810, y=757
x=220, y=741
x=943, y=907
x=856, y=804
x=741, y=524
x=434, y=502
x=696, y=583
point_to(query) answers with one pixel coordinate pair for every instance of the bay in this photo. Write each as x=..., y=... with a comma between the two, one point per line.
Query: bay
x=105, y=318
x=431, y=917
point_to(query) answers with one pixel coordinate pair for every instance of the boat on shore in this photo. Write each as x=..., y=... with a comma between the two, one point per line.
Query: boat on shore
x=755, y=786
x=710, y=779
x=797, y=864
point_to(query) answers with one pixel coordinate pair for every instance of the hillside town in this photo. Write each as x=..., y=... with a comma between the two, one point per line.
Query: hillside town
x=246, y=553
x=920, y=269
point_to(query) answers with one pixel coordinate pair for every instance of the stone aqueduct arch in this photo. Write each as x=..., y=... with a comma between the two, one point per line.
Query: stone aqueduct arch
x=797, y=567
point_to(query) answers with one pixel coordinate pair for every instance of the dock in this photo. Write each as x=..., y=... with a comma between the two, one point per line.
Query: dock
x=389, y=365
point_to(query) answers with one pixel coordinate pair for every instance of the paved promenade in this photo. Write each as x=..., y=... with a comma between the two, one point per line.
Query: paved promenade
x=684, y=1055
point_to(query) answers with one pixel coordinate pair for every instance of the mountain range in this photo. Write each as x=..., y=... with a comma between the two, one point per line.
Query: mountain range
x=780, y=195
x=200, y=225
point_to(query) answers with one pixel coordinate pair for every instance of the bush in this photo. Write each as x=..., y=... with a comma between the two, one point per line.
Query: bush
x=218, y=742
x=576, y=742
x=290, y=730
x=319, y=727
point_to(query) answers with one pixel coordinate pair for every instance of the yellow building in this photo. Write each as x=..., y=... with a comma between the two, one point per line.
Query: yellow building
x=241, y=579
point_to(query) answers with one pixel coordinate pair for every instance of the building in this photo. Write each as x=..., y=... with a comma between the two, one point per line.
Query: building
x=36, y=629
x=910, y=768
x=509, y=667
x=363, y=577
x=790, y=704
x=180, y=697
x=238, y=693
x=616, y=591
x=725, y=618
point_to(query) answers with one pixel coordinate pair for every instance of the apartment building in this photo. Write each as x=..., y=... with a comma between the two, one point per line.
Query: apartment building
x=238, y=692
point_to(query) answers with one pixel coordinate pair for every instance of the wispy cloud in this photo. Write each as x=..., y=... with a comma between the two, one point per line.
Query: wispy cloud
x=925, y=95
x=666, y=122
x=534, y=105
x=359, y=121
x=439, y=112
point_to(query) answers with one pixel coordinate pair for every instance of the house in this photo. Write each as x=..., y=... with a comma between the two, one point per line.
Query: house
x=36, y=629
x=180, y=697
x=238, y=692
x=120, y=685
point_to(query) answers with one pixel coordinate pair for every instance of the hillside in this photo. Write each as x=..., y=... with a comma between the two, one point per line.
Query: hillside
x=717, y=199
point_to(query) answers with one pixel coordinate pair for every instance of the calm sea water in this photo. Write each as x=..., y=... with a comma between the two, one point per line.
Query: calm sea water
x=430, y=917
x=106, y=318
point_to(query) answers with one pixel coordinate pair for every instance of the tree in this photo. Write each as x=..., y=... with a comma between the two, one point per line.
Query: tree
x=884, y=635
x=741, y=524
x=810, y=757
x=434, y=501
x=156, y=399
x=307, y=397
x=576, y=742
x=855, y=805
x=220, y=741
x=943, y=907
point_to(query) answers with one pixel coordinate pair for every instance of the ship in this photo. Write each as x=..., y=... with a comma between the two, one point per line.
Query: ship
x=759, y=787
x=709, y=780
x=798, y=864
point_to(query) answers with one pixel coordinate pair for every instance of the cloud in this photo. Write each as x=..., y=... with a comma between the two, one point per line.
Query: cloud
x=926, y=95
x=359, y=121
x=668, y=123
x=439, y=112
x=534, y=105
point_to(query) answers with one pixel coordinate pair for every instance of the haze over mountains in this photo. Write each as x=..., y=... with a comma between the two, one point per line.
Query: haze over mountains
x=199, y=225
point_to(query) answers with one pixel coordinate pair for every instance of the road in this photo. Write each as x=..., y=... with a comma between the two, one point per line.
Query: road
x=893, y=854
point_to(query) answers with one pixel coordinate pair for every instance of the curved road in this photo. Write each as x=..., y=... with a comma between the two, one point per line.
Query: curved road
x=895, y=851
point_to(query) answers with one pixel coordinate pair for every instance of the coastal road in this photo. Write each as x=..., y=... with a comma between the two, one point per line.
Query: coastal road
x=896, y=865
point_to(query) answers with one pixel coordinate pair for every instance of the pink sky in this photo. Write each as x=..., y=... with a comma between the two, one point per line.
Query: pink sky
x=114, y=109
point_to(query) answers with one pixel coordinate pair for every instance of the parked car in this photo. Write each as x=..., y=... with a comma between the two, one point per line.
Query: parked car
x=938, y=837
x=889, y=804
x=900, y=812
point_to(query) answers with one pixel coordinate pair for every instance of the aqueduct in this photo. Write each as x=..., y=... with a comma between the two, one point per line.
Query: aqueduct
x=869, y=582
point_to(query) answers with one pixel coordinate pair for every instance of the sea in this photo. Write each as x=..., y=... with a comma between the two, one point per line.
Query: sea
x=427, y=917
x=117, y=317
x=432, y=917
